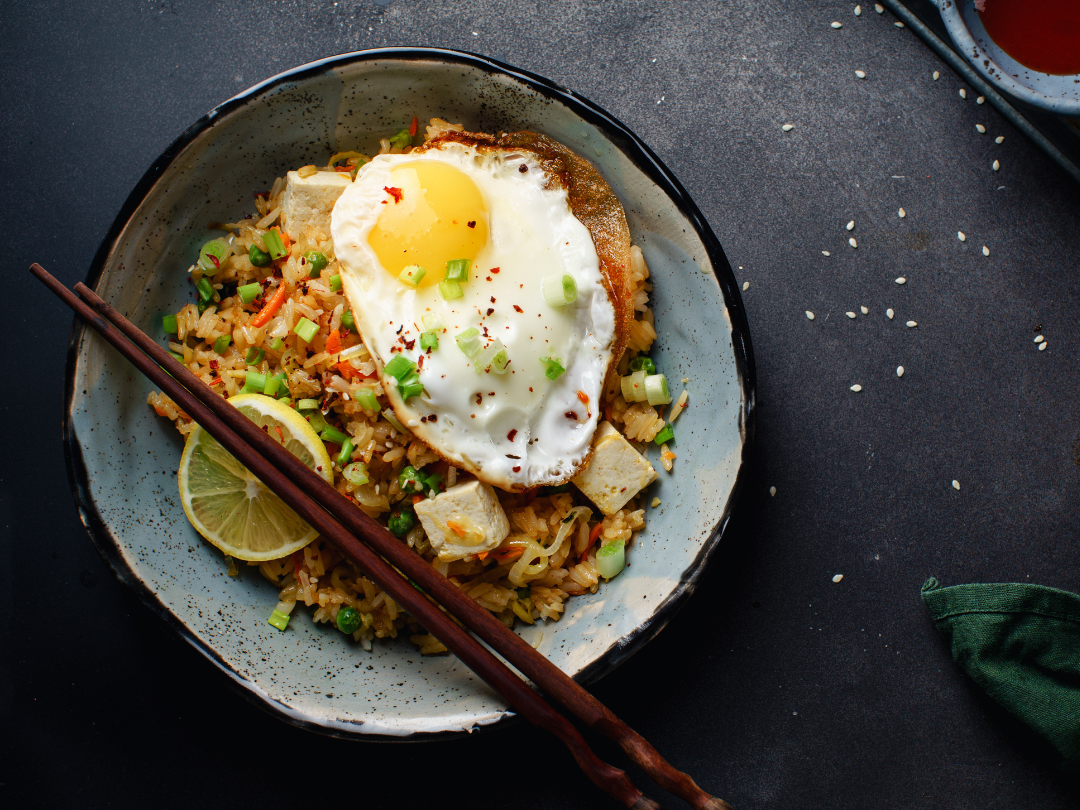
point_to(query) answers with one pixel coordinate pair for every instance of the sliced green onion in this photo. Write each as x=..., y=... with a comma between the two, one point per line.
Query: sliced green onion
x=469, y=342
x=277, y=345
x=366, y=398
x=259, y=258
x=636, y=387
x=335, y=283
x=307, y=404
x=399, y=367
x=429, y=340
x=450, y=290
x=329, y=434
x=316, y=420
x=274, y=244
x=254, y=383
x=458, y=269
x=278, y=619
x=611, y=559
x=493, y=358
x=433, y=482
x=656, y=389
x=270, y=387
x=347, y=321
x=665, y=435
x=315, y=261
x=306, y=329
x=356, y=474
x=205, y=289
x=559, y=289
x=627, y=385
x=222, y=343
x=168, y=324
x=202, y=305
x=254, y=356
x=213, y=254
x=346, y=452
x=410, y=481
x=402, y=139
x=433, y=321
x=179, y=358
x=249, y=292
x=554, y=367
x=390, y=417
x=410, y=386
x=412, y=275
x=643, y=364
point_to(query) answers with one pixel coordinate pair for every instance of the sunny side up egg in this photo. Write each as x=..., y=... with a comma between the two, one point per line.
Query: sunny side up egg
x=512, y=426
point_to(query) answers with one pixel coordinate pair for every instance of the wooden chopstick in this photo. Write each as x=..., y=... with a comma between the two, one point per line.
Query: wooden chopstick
x=507, y=643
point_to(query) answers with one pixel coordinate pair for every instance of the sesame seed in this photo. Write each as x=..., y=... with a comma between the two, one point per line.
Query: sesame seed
x=899, y=371
x=901, y=213
x=1039, y=339
x=996, y=165
x=956, y=485
x=856, y=388
x=850, y=226
x=837, y=25
x=851, y=315
x=864, y=310
x=981, y=129
x=880, y=9
x=898, y=24
x=655, y=502
x=860, y=74
x=980, y=99
x=912, y=324
x=1042, y=346
x=825, y=253
x=889, y=313
x=936, y=75
x=852, y=242
x=901, y=280
x=961, y=236
x=788, y=127
x=838, y=577
x=746, y=286
x=963, y=93
x=999, y=139
x=858, y=11
x=986, y=250
x=772, y=491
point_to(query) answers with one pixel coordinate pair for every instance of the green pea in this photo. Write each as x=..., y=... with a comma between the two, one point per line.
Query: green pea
x=259, y=258
x=349, y=620
x=410, y=480
x=316, y=262
x=400, y=522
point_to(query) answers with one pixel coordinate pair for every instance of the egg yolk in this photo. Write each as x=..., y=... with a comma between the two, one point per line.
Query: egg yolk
x=435, y=214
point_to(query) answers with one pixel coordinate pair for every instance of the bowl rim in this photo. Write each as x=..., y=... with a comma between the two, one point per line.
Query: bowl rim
x=952, y=15
x=632, y=147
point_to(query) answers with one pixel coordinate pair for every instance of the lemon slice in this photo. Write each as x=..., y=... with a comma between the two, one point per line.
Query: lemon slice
x=232, y=508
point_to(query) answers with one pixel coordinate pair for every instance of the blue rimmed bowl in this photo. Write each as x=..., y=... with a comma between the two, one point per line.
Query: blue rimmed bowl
x=122, y=458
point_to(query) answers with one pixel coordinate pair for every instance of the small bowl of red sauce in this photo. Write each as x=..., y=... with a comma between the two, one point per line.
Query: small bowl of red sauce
x=1028, y=48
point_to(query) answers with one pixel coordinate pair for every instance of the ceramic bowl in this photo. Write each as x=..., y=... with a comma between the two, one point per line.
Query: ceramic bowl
x=1057, y=94
x=123, y=458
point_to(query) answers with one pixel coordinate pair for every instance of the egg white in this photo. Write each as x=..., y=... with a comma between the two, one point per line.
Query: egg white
x=515, y=430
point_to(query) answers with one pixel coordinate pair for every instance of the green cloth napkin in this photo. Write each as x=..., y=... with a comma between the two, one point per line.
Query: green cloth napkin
x=1021, y=643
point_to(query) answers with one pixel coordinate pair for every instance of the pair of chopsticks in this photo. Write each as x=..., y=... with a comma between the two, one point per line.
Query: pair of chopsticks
x=391, y=564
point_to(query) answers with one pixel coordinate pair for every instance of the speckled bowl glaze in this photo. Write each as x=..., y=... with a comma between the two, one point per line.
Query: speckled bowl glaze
x=1058, y=94
x=123, y=458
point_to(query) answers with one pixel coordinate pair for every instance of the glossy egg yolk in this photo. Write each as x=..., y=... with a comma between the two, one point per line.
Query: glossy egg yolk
x=435, y=214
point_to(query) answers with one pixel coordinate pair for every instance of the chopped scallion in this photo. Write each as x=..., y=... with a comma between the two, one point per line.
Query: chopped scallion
x=254, y=356
x=274, y=244
x=315, y=261
x=559, y=289
x=493, y=358
x=306, y=329
x=429, y=340
x=222, y=343
x=390, y=417
x=410, y=386
x=433, y=321
x=554, y=367
x=367, y=400
x=656, y=389
x=643, y=364
x=205, y=289
x=168, y=324
x=401, y=139
x=356, y=474
x=335, y=283
x=249, y=292
x=469, y=342
x=458, y=269
x=346, y=452
x=316, y=420
x=259, y=258
x=347, y=321
x=278, y=619
x=270, y=387
x=665, y=435
x=330, y=434
x=399, y=366
x=213, y=254
x=412, y=275
x=254, y=383
x=450, y=290
x=307, y=405
x=179, y=358
x=611, y=559
x=277, y=345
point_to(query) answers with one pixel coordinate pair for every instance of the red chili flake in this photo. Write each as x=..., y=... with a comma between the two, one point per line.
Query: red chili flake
x=433, y=418
x=491, y=393
x=343, y=169
x=517, y=469
x=266, y=428
x=490, y=310
x=423, y=418
x=413, y=125
x=396, y=193
x=420, y=361
x=523, y=168
x=517, y=308
x=279, y=433
x=494, y=270
x=493, y=299
x=409, y=344
x=489, y=278
x=214, y=365
x=479, y=398
x=571, y=415
x=510, y=436
x=583, y=398
x=471, y=223
x=214, y=259
x=530, y=389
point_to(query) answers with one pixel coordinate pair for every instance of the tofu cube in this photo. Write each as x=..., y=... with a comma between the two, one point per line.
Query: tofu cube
x=474, y=509
x=309, y=200
x=616, y=472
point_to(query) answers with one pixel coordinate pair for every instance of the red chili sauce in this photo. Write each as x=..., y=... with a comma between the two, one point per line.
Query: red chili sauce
x=1043, y=35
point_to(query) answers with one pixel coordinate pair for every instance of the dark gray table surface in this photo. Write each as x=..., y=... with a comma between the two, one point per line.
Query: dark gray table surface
x=775, y=686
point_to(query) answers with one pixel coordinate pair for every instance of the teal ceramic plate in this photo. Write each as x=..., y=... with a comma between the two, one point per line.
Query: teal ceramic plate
x=123, y=458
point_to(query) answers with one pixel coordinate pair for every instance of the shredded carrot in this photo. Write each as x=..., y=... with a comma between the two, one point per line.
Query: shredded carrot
x=595, y=533
x=279, y=433
x=417, y=498
x=271, y=307
x=455, y=528
x=343, y=169
x=502, y=555
x=285, y=240
x=333, y=342
x=483, y=554
x=413, y=126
